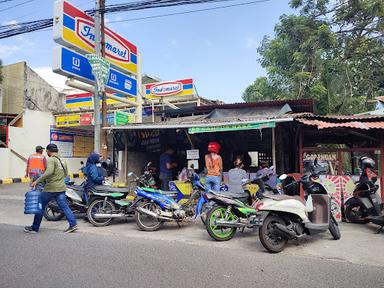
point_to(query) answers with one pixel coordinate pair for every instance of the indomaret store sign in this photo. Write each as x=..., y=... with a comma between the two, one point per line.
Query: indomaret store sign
x=75, y=29
x=170, y=88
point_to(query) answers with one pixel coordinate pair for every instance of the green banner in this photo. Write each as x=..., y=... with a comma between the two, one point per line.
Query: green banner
x=235, y=127
x=121, y=118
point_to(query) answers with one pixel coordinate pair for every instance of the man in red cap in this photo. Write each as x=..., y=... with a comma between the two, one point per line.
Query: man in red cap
x=214, y=166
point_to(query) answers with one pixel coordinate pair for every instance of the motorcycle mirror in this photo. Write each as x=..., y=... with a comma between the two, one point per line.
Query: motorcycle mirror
x=149, y=164
x=130, y=174
x=82, y=162
x=283, y=177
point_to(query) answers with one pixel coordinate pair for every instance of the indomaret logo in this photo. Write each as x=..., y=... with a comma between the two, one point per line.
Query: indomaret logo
x=114, y=48
x=167, y=88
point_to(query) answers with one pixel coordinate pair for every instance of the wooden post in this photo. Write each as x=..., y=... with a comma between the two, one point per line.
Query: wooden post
x=300, y=152
x=274, y=148
x=126, y=164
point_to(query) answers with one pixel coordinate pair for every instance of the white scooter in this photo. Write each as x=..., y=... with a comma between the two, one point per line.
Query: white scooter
x=289, y=217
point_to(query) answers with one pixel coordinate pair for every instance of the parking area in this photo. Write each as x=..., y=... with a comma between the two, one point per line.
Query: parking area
x=358, y=244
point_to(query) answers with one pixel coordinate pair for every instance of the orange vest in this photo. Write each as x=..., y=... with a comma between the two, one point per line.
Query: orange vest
x=36, y=164
x=214, y=166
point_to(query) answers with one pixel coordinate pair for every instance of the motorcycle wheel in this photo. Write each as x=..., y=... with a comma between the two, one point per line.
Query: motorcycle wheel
x=271, y=240
x=353, y=214
x=97, y=207
x=52, y=211
x=334, y=228
x=145, y=222
x=220, y=233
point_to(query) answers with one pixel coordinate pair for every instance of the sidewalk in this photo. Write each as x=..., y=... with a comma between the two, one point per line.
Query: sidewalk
x=358, y=244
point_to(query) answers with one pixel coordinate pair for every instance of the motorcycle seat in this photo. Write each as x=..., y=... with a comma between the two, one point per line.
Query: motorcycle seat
x=110, y=189
x=239, y=196
x=168, y=193
x=285, y=197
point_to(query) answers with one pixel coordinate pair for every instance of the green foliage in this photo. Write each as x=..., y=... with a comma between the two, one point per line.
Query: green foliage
x=332, y=52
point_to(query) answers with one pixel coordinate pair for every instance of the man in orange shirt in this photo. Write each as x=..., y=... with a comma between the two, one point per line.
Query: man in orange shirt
x=214, y=167
x=36, y=164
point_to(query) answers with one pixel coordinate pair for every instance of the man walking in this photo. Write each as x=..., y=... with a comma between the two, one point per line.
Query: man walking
x=54, y=188
x=36, y=164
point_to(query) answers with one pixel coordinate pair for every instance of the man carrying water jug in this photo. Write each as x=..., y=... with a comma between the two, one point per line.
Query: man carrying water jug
x=54, y=187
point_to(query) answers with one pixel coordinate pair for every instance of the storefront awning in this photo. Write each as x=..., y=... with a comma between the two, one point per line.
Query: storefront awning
x=207, y=125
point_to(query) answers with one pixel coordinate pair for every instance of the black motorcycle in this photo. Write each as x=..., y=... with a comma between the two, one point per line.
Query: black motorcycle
x=365, y=206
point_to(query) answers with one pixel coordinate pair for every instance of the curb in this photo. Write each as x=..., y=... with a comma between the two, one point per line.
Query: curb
x=26, y=180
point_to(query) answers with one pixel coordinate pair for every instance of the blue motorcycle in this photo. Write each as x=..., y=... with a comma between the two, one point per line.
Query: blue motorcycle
x=157, y=206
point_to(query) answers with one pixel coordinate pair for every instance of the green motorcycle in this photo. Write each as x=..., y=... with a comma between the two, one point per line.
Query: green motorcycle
x=229, y=213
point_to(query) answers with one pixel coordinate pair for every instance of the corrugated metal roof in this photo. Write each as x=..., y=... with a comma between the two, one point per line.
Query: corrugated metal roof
x=343, y=118
x=349, y=124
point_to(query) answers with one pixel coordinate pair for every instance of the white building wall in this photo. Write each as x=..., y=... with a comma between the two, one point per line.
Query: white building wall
x=4, y=160
x=23, y=140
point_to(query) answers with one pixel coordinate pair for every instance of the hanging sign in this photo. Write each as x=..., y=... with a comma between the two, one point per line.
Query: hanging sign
x=170, y=88
x=236, y=127
x=72, y=64
x=75, y=29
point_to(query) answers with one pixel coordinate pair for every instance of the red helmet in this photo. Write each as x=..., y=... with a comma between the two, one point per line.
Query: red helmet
x=214, y=147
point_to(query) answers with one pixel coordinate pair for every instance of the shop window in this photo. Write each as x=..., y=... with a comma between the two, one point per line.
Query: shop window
x=327, y=162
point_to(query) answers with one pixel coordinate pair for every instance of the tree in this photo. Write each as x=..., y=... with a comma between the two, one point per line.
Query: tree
x=332, y=52
x=261, y=89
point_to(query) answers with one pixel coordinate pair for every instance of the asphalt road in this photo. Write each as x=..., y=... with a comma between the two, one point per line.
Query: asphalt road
x=121, y=256
x=54, y=259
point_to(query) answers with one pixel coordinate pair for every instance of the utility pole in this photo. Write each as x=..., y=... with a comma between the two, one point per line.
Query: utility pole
x=104, y=135
x=96, y=98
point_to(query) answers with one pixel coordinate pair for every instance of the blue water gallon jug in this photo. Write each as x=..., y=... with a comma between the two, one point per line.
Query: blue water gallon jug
x=32, y=203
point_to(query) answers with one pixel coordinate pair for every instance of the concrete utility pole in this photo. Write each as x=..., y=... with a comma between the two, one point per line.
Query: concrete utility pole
x=104, y=135
x=96, y=98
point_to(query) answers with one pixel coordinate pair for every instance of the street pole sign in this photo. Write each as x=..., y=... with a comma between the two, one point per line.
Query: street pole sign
x=100, y=69
x=121, y=118
x=75, y=29
x=72, y=64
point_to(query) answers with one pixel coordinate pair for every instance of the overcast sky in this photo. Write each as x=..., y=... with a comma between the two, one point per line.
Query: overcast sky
x=216, y=48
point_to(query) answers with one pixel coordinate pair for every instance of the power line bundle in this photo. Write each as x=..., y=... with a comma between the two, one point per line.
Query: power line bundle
x=25, y=27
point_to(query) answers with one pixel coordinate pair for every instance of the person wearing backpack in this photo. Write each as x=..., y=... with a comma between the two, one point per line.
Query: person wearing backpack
x=54, y=188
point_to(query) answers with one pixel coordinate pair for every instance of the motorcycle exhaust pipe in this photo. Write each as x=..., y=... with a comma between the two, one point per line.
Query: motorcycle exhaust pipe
x=108, y=215
x=284, y=231
x=152, y=214
x=234, y=224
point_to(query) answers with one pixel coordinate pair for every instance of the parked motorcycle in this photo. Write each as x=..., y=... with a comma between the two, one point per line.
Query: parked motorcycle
x=232, y=211
x=157, y=206
x=365, y=206
x=289, y=217
x=108, y=203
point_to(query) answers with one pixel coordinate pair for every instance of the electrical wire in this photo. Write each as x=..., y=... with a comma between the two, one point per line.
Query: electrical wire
x=17, y=5
x=30, y=26
x=188, y=12
x=3, y=1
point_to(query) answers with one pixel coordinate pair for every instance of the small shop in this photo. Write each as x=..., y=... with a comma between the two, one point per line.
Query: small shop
x=338, y=142
x=258, y=132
